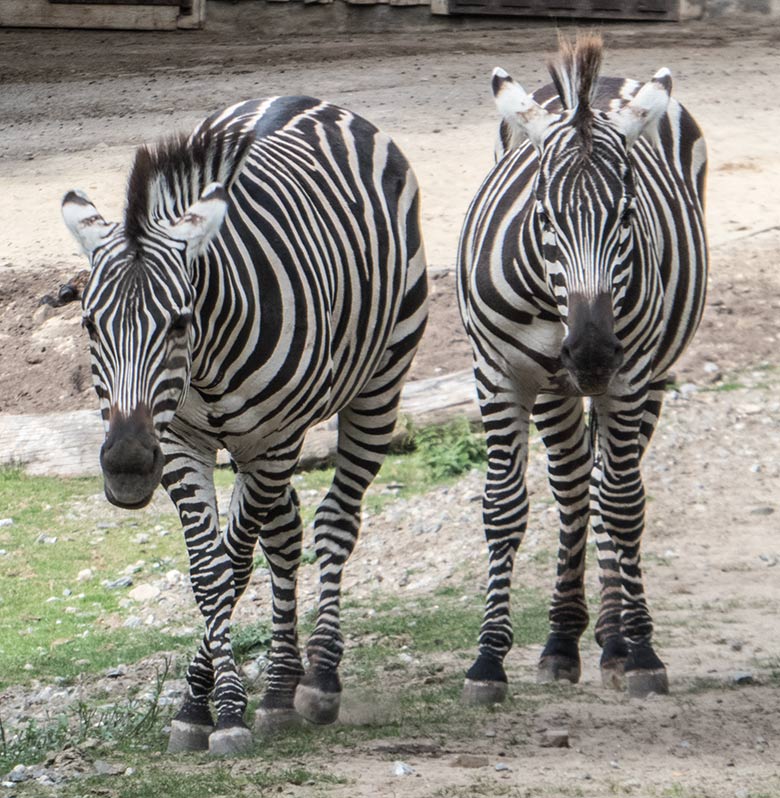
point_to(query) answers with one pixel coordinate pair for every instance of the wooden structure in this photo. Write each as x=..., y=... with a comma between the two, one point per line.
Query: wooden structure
x=68, y=444
x=665, y=10
x=104, y=14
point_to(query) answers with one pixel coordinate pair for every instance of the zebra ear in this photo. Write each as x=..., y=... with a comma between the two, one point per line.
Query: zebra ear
x=89, y=228
x=642, y=115
x=202, y=220
x=524, y=116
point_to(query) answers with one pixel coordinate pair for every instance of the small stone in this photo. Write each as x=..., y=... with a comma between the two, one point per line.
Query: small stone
x=103, y=768
x=613, y=763
x=555, y=738
x=755, y=468
x=742, y=677
x=144, y=593
x=6, y=521
x=141, y=538
x=115, y=584
x=48, y=540
x=131, y=622
x=402, y=769
x=19, y=774
x=688, y=389
x=115, y=673
x=84, y=575
x=742, y=792
x=502, y=767
x=766, y=510
x=470, y=761
x=711, y=368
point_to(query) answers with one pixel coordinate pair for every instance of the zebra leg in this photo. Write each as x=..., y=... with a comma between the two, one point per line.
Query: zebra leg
x=609, y=634
x=621, y=506
x=506, y=418
x=365, y=431
x=569, y=462
x=280, y=538
x=190, y=484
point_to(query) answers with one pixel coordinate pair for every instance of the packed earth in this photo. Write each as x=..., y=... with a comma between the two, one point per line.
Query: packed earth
x=712, y=542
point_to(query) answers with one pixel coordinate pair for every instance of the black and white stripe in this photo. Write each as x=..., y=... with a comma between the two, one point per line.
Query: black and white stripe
x=308, y=300
x=588, y=230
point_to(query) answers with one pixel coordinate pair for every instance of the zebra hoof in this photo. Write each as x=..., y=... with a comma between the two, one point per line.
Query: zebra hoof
x=641, y=683
x=230, y=742
x=270, y=721
x=484, y=693
x=558, y=669
x=188, y=737
x=613, y=674
x=316, y=705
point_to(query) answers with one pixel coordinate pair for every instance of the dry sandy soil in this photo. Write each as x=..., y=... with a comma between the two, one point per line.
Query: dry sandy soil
x=73, y=120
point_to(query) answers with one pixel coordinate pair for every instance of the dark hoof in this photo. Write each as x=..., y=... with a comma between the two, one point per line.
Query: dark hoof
x=316, y=705
x=641, y=683
x=270, y=721
x=230, y=742
x=558, y=669
x=188, y=737
x=484, y=693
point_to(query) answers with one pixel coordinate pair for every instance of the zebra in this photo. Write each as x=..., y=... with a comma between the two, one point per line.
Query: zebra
x=582, y=270
x=269, y=273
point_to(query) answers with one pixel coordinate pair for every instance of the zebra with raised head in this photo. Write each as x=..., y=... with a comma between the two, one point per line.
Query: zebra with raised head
x=268, y=274
x=582, y=273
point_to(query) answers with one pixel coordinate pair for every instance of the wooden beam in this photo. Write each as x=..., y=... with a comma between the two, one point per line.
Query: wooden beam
x=43, y=14
x=68, y=444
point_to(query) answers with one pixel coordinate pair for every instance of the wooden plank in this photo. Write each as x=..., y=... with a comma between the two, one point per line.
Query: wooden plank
x=117, y=2
x=668, y=10
x=42, y=14
x=68, y=444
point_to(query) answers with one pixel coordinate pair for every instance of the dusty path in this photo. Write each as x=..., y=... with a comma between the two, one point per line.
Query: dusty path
x=712, y=473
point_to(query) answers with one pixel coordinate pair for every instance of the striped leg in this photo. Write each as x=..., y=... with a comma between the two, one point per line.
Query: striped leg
x=190, y=484
x=506, y=418
x=280, y=538
x=618, y=507
x=569, y=460
x=365, y=432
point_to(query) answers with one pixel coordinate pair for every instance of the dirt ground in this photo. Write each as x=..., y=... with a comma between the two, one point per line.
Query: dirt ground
x=73, y=120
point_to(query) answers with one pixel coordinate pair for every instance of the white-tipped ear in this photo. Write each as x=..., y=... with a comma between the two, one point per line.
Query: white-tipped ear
x=202, y=220
x=642, y=115
x=89, y=228
x=524, y=115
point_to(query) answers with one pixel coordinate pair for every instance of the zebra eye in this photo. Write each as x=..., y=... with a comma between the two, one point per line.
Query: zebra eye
x=181, y=322
x=544, y=219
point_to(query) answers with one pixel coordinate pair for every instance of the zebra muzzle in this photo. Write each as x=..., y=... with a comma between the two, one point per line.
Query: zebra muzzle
x=131, y=460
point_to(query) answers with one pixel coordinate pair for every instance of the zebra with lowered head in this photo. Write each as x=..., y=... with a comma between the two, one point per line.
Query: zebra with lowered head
x=582, y=273
x=269, y=273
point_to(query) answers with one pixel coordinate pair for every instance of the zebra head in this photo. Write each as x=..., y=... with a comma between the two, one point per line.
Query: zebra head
x=138, y=308
x=581, y=212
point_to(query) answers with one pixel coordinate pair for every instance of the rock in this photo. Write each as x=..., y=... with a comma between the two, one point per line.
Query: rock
x=48, y=540
x=470, y=761
x=736, y=645
x=131, y=622
x=503, y=767
x=115, y=673
x=115, y=584
x=402, y=769
x=19, y=774
x=84, y=575
x=555, y=738
x=766, y=510
x=103, y=768
x=742, y=677
x=144, y=593
x=688, y=389
x=6, y=521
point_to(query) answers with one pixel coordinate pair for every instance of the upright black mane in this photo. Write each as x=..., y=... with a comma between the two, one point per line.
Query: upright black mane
x=170, y=175
x=575, y=71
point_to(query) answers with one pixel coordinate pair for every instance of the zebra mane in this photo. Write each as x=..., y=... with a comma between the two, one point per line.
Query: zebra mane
x=166, y=178
x=575, y=71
